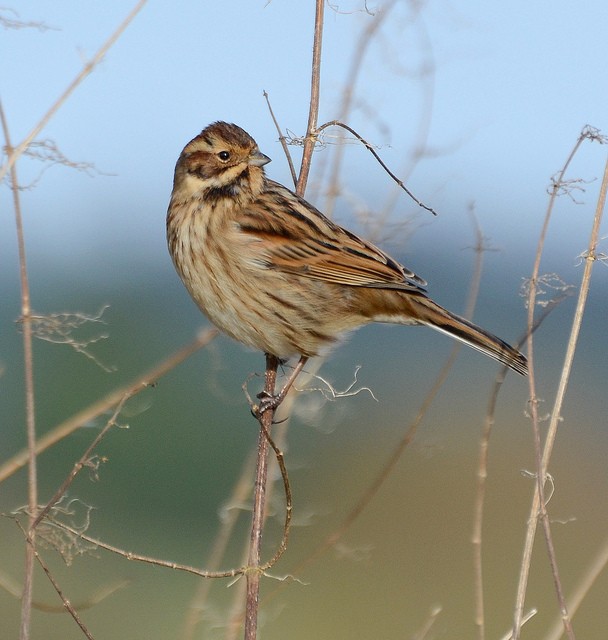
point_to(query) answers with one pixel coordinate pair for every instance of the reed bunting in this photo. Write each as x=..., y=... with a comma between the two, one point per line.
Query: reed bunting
x=273, y=272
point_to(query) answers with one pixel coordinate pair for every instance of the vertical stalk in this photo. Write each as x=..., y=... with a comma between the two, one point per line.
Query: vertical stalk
x=272, y=362
x=30, y=414
x=259, y=500
x=315, y=92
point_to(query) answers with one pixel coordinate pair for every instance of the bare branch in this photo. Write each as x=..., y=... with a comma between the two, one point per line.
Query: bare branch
x=370, y=148
x=283, y=141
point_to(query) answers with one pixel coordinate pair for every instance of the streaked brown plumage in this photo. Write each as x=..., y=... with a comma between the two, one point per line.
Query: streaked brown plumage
x=273, y=272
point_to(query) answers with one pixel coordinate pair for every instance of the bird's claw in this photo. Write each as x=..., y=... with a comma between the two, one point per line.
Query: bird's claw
x=268, y=402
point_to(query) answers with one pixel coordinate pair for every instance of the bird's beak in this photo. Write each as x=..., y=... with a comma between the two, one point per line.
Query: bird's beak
x=258, y=159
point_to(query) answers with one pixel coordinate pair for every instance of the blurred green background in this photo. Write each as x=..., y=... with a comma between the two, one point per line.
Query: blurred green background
x=169, y=475
x=495, y=135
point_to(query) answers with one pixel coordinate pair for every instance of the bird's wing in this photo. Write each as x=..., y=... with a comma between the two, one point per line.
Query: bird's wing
x=301, y=240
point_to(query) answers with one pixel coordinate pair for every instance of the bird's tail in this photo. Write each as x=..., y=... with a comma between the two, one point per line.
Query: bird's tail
x=436, y=317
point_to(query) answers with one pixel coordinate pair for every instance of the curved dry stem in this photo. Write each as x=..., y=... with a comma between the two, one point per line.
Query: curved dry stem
x=370, y=148
x=138, y=557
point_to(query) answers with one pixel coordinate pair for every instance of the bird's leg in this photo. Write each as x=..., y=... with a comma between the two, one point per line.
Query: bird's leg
x=268, y=401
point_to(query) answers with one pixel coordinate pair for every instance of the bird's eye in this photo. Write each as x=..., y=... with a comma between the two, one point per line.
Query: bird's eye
x=224, y=156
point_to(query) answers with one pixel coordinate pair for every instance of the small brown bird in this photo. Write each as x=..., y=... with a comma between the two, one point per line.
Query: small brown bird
x=273, y=272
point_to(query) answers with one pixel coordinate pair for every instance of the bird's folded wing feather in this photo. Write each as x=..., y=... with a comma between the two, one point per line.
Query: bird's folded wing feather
x=303, y=241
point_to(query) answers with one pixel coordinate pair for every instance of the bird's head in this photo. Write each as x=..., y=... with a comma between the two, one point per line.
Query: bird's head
x=221, y=159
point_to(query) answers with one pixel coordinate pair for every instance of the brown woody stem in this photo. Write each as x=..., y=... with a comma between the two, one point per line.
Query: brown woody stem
x=259, y=499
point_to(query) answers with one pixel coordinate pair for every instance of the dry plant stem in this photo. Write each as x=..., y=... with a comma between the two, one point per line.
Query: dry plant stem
x=86, y=70
x=283, y=142
x=288, y=502
x=313, y=112
x=590, y=258
x=280, y=428
x=30, y=409
x=138, y=557
x=93, y=411
x=66, y=603
x=425, y=631
x=543, y=460
x=596, y=568
x=370, y=148
x=255, y=568
x=236, y=617
x=482, y=477
x=253, y=573
x=527, y=617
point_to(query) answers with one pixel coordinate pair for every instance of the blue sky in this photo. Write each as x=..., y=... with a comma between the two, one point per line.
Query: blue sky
x=496, y=92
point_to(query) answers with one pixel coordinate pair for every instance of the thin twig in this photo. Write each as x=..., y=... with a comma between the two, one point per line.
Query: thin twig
x=561, y=392
x=283, y=142
x=138, y=557
x=596, y=567
x=533, y=402
x=30, y=406
x=280, y=458
x=66, y=603
x=370, y=148
x=313, y=111
x=281, y=427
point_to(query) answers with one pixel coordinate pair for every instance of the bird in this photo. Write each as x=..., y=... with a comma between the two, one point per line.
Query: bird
x=274, y=273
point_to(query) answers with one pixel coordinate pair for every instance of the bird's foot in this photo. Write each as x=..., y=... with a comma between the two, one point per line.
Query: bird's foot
x=268, y=402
